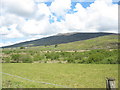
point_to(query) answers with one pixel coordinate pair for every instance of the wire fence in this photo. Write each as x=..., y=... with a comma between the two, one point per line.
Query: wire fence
x=34, y=80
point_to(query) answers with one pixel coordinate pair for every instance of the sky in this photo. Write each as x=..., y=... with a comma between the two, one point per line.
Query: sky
x=24, y=20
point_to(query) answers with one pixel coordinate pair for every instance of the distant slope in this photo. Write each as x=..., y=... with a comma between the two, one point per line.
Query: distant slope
x=58, y=39
x=102, y=42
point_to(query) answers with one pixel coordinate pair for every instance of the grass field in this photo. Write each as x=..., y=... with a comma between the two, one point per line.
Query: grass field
x=69, y=75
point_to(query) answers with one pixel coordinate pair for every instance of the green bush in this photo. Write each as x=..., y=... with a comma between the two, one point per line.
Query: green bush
x=16, y=57
x=52, y=56
x=26, y=58
x=110, y=60
x=7, y=51
x=38, y=57
x=7, y=59
x=95, y=58
x=22, y=47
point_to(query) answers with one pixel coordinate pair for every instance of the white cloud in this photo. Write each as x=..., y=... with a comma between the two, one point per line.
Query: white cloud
x=60, y=7
x=74, y=22
x=19, y=7
x=9, y=19
x=12, y=33
x=42, y=11
x=57, y=27
x=35, y=27
x=4, y=31
x=102, y=15
x=20, y=26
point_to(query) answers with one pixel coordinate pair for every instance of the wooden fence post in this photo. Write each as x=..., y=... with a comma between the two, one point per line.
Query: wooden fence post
x=110, y=84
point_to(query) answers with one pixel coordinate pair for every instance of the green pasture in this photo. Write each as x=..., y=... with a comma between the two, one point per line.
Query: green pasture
x=69, y=75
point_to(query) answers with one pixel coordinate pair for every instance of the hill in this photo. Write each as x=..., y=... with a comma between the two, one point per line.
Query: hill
x=58, y=39
x=102, y=42
x=102, y=50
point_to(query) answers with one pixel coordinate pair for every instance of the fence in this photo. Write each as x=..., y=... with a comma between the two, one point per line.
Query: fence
x=34, y=80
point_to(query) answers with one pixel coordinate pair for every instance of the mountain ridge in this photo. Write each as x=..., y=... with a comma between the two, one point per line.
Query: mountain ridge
x=58, y=39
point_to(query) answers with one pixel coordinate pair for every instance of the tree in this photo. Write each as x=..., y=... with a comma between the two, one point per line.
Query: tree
x=22, y=47
x=45, y=45
x=56, y=45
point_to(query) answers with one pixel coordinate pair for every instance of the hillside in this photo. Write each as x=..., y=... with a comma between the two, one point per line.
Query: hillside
x=58, y=39
x=102, y=42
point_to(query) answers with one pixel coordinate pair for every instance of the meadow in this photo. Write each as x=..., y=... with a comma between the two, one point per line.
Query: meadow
x=67, y=75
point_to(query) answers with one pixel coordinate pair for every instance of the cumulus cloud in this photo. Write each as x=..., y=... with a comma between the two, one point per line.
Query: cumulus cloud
x=35, y=27
x=23, y=8
x=101, y=16
x=12, y=33
x=60, y=7
x=42, y=11
x=4, y=31
x=9, y=19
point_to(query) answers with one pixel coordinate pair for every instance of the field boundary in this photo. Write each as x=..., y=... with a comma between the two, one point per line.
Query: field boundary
x=33, y=80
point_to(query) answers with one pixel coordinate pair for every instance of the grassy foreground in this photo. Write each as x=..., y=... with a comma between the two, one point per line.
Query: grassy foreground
x=70, y=75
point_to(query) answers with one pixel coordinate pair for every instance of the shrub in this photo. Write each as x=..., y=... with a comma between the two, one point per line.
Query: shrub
x=38, y=57
x=6, y=59
x=110, y=60
x=56, y=45
x=7, y=52
x=52, y=56
x=16, y=57
x=70, y=60
x=26, y=59
x=95, y=58
x=22, y=47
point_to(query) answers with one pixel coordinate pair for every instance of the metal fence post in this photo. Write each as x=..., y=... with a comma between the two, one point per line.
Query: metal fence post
x=110, y=84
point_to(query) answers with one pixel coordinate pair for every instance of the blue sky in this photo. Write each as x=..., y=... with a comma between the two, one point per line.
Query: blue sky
x=24, y=20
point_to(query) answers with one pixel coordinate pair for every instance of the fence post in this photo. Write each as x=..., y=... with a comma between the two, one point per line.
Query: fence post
x=110, y=84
